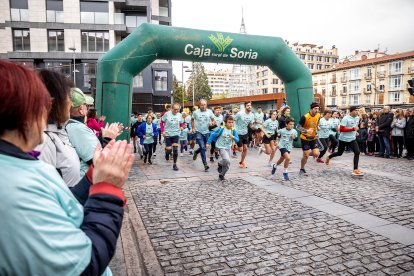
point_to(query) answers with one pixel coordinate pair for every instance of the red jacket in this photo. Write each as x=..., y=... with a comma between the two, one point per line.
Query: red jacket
x=94, y=125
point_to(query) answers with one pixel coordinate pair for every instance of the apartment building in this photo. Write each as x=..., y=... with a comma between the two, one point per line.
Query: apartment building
x=70, y=35
x=218, y=81
x=313, y=56
x=370, y=82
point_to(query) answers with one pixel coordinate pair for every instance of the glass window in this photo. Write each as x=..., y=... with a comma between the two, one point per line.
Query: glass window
x=369, y=87
x=275, y=90
x=94, y=12
x=353, y=99
x=275, y=81
x=21, y=40
x=160, y=80
x=310, y=65
x=369, y=71
x=95, y=41
x=163, y=8
x=265, y=82
x=56, y=40
x=333, y=101
x=54, y=11
x=318, y=66
x=395, y=82
x=264, y=90
x=354, y=73
x=396, y=67
x=138, y=81
x=302, y=56
x=368, y=99
x=354, y=86
x=62, y=67
x=394, y=97
x=343, y=100
x=19, y=14
x=89, y=70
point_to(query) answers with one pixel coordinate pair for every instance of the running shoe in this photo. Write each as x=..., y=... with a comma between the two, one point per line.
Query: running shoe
x=358, y=173
x=195, y=155
x=150, y=162
x=319, y=160
x=206, y=167
x=274, y=168
x=327, y=160
x=259, y=151
x=219, y=168
x=286, y=176
x=211, y=159
x=154, y=155
x=302, y=172
x=175, y=168
x=221, y=177
x=181, y=154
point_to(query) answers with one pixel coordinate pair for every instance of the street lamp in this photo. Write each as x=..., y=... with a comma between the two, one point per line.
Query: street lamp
x=74, y=68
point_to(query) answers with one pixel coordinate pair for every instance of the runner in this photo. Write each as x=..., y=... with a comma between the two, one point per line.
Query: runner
x=170, y=128
x=269, y=139
x=347, y=137
x=258, y=123
x=218, y=118
x=200, y=122
x=287, y=136
x=324, y=126
x=134, y=128
x=234, y=112
x=307, y=126
x=224, y=137
x=183, y=139
x=244, y=120
x=333, y=132
x=146, y=133
x=157, y=122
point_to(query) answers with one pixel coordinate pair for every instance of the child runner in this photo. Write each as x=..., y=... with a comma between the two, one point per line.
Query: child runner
x=234, y=111
x=324, y=127
x=287, y=136
x=258, y=123
x=224, y=137
x=269, y=139
x=183, y=139
x=157, y=121
x=170, y=127
x=333, y=132
x=146, y=133
x=348, y=128
x=219, y=120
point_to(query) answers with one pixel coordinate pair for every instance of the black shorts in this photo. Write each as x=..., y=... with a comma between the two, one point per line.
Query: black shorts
x=257, y=130
x=308, y=145
x=132, y=133
x=283, y=151
x=171, y=140
x=243, y=140
x=267, y=140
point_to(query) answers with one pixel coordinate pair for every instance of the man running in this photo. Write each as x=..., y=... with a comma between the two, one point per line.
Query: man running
x=307, y=126
x=347, y=137
x=218, y=118
x=191, y=134
x=200, y=122
x=244, y=120
x=170, y=128
x=258, y=123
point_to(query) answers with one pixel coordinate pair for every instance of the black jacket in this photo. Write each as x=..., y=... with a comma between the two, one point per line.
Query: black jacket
x=362, y=135
x=409, y=127
x=384, y=123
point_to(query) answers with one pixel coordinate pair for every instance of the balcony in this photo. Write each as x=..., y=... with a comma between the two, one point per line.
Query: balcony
x=333, y=80
x=333, y=93
x=366, y=91
x=343, y=92
x=368, y=77
x=381, y=74
x=344, y=79
x=19, y=14
x=322, y=82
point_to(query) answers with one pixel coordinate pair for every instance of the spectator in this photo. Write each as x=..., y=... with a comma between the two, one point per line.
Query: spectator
x=409, y=134
x=371, y=138
x=92, y=121
x=45, y=228
x=398, y=125
x=384, y=132
x=362, y=138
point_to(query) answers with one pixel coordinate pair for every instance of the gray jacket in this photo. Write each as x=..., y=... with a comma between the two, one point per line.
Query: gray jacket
x=398, y=126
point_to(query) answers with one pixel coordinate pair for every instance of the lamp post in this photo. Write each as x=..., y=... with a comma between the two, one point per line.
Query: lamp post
x=74, y=68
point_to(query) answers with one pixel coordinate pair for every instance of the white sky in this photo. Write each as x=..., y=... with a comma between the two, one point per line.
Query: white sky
x=348, y=24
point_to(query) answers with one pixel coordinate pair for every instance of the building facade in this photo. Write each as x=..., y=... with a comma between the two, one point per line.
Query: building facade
x=314, y=57
x=218, y=82
x=70, y=35
x=370, y=82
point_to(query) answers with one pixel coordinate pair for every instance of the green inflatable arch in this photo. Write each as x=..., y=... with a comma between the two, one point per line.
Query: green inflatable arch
x=116, y=69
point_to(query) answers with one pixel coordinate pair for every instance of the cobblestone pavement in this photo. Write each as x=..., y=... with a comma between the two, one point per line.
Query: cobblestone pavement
x=200, y=226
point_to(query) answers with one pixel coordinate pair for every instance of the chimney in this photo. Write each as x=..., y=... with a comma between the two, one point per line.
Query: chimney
x=356, y=52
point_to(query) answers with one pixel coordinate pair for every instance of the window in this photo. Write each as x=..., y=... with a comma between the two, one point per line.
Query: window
x=396, y=67
x=369, y=71
x=334, y=60
x=89, y=73
x=63, y=67
x=134, y=20
x=21, y=40
x=265, y=82
x=310, y=65
x=343, y=100
x=264, y=73
x=354, y=86
x=318, y=58
x=95, y=41
x=310, y=57
x=354, y=73
x=160, y=80
x=368, y=99
x=275, y=81
x=395, y=82
x=369, y=87
x=327, y=59
x=264, y=90
x=54, y=11
x=353, y=99
x=94, y=12
x=275, y=90
x=381, y=85
x=318, y=66
x=394, y=97
x=19, y=10
x=56, y=41
x=138, y=81
x=302, y=56
x=164, y=8
x=333, y=101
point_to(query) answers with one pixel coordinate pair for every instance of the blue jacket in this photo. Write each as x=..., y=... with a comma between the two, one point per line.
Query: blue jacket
x=217, y=133
x=142, y=130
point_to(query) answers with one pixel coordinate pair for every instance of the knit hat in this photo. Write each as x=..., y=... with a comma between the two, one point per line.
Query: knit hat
x=79, y=98
x=313, y=105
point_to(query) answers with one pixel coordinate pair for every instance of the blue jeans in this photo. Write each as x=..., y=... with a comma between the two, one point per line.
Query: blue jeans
x=384, y=140
x=202, y=141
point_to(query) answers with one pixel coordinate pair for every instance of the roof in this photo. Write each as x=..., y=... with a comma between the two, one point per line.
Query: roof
x=359, y=63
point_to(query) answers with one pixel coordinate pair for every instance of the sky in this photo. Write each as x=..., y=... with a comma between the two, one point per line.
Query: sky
x=348, y=24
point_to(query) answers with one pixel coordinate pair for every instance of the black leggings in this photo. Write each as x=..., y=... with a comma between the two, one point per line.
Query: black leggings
x=154, y=146
x=334, y=142
x=213, y=147
x=341, y=148
x=159, y=135
x=148, y=148
x=398, y=142
x=324, y=142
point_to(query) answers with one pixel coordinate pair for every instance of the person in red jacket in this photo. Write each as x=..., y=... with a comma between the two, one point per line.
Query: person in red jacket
x=92, y=121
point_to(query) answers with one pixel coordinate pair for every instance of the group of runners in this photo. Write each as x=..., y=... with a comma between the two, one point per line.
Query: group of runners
x=223, y=134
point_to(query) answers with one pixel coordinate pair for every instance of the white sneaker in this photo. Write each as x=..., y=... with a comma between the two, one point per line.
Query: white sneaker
x=181, y=154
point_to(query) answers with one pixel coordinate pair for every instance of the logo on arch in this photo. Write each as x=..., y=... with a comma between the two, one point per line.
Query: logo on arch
x=220, y=42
